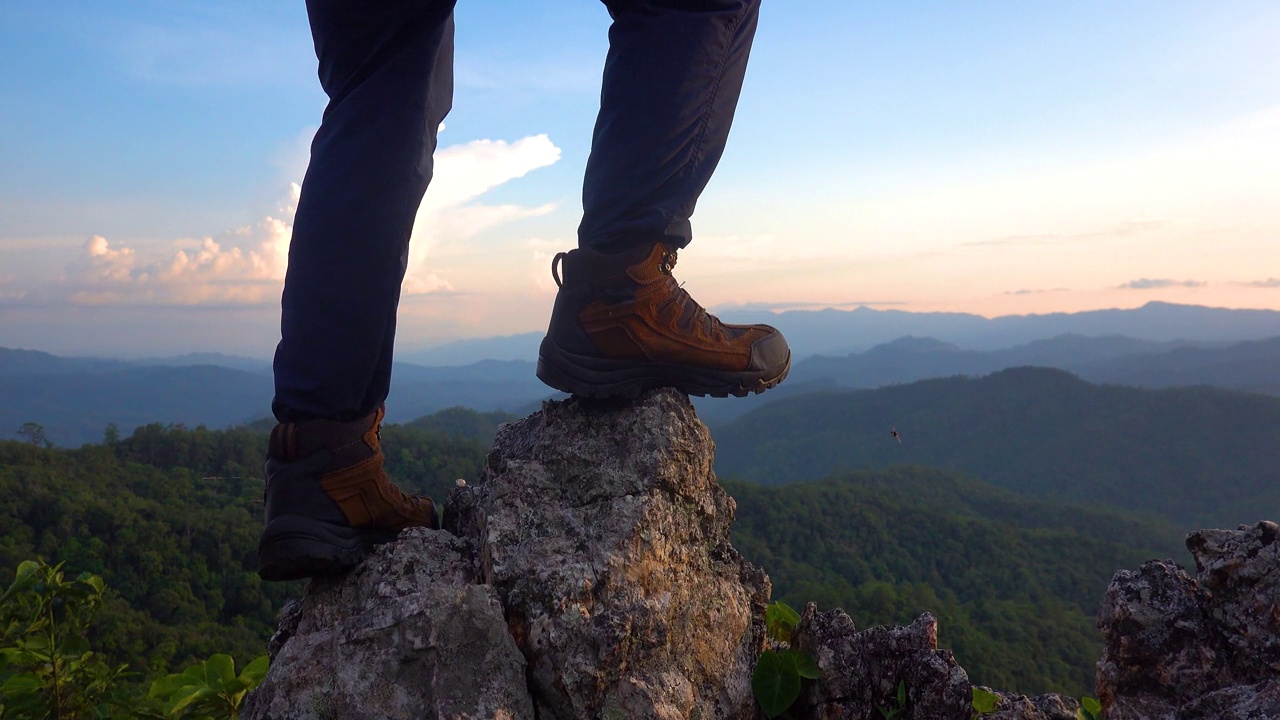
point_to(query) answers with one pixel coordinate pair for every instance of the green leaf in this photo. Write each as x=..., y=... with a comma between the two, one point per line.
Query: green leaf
x=73, y=645
x=36, y=642
x=221, y=671
x=984, y=701
x=804, y=665
x=92, y=581
x=24, y=683
x=1090, y=709
x=775, y=684
x=168, y=685
x=184, y=697
x=902, y=694
x=256, y=671
x=780, y=620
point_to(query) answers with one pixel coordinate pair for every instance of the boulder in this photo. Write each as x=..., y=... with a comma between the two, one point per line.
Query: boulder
x=861, y=671
x=1050, y=706
x=601, y=528
x=1178, y=648
x=409, y=633
x=587, y=575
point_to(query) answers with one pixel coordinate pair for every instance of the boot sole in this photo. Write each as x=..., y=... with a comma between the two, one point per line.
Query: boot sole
x=587, y=376
x=294, y=547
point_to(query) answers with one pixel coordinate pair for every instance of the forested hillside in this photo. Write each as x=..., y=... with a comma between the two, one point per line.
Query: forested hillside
x=1014, y=582
x=1199, y=456
x=170, y=518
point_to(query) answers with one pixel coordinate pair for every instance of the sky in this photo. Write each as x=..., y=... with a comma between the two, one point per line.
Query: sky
x=994, y=158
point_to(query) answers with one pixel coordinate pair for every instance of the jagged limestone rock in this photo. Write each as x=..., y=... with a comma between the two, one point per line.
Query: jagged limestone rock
x=407, y=634
x=1051, y=706
x=1184, y=649
x=861, y=671
x=603, y=531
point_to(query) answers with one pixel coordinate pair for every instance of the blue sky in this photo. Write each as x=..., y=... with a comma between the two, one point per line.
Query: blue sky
x=1007, y=157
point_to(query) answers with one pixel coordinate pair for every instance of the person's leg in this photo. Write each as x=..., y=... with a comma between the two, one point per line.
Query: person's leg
x=621, y=323
x=671, y=84
x=387, y=68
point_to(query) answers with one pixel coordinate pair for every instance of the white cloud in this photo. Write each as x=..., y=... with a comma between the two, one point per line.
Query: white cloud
x=462, y=174
x=1157, y=283
x=246, y=265
x=241, y=266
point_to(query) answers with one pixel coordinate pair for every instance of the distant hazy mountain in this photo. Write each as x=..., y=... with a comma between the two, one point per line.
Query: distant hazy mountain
x=1196, y=455
x=1253, y=365
x=74, y=408
x=75, y=398
x=464, y=352
x=839, y=332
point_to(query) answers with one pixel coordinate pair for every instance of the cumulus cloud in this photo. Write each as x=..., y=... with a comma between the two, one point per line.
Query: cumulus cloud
x=448, y=214
x=1155, y=283
x=246, y=265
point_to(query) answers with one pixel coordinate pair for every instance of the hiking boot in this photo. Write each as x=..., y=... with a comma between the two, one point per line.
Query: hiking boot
x=328, y=499
x=622, y=325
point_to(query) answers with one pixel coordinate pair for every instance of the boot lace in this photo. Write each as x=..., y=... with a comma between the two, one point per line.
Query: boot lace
x=681, y=298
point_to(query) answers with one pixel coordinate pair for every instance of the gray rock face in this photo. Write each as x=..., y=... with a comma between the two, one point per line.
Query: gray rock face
x=588, y=575
x=602, y=530
x=407, y=634
x=1178, y=648
x=1050, y=706
x=861, y=671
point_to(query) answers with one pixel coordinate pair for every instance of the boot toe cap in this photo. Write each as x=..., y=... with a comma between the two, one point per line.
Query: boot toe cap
x=770, y=352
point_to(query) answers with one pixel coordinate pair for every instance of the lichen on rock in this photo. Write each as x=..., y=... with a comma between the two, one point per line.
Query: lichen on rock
x=1178, y=648
x=861, y=671
x=603, y=531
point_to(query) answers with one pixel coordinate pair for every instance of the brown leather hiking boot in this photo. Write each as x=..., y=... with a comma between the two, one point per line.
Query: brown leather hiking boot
x=622, y=325
x=328, y=499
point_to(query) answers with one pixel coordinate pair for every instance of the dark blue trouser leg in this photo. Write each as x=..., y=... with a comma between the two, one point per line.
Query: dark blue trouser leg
x=671, y=84
x=387, y=68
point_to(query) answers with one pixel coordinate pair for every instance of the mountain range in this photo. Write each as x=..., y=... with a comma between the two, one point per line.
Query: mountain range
x=1159, y=345
x=840, y=332
x=1199, y=456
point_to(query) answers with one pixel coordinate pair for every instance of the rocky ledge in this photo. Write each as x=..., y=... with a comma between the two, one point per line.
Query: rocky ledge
x=589, y=575
x=1179, y=648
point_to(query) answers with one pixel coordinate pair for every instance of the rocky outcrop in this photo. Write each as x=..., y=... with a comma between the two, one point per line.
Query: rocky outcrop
x=861, y=671
x=1179, y=648
x=602, y=530
x=1050, y=706
x=588, y=575
x=407, y=634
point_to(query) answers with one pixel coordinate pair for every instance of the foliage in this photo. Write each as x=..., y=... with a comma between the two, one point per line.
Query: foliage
x=777, y=678
x=1008, y=578
x=210, y=689
x=1202, y=457
x=34, y=432
x=1090, y=709
x=898, y=704
x=169, y=518
x=984, y=701
x=47, y=668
